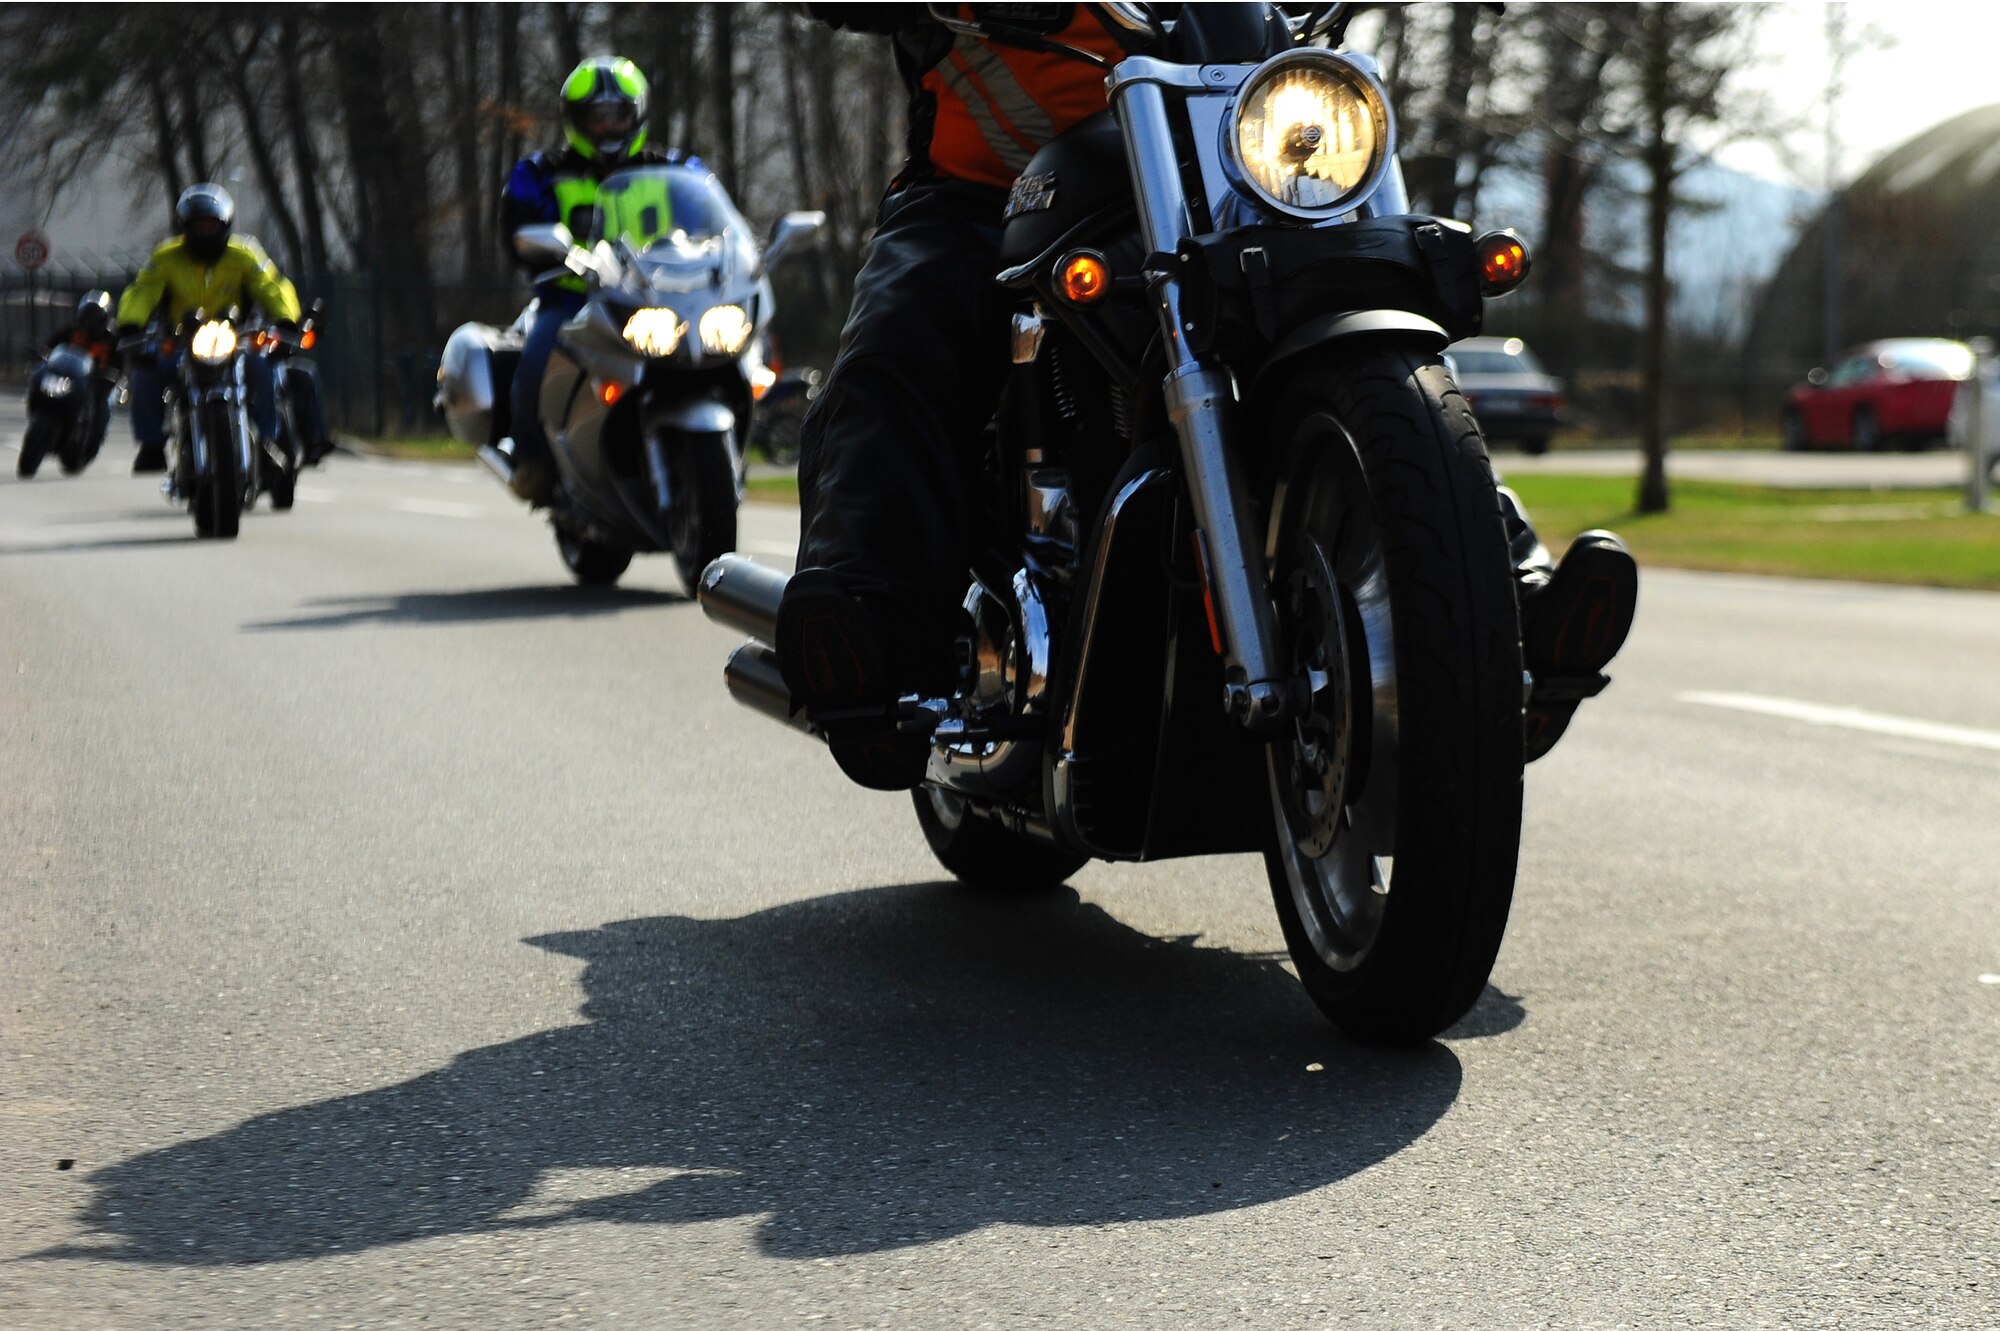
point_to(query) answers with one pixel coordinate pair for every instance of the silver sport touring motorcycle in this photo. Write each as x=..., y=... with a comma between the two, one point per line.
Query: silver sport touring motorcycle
x=647, y=399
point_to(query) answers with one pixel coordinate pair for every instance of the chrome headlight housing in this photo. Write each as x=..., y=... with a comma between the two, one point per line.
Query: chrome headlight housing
x=213, y=343
x=724, y=329
x=654, y=331
x=1309, y=134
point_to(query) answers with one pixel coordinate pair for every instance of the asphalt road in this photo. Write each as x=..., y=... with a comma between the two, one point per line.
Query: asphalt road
x=392, y=935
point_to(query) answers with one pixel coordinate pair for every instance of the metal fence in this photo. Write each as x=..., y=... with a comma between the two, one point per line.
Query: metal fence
x=378, y=384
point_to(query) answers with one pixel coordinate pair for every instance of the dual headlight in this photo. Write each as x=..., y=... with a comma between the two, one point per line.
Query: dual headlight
x=57, y=385
x=213, y=343
x=1310, y=133
x=723, y=329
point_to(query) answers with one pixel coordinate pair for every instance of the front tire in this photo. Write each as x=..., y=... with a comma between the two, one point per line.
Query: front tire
x=702, y=523
x=1792, y=431
x=218, y=500
x=985, y=855
x=1865, y=431
x=1396, y=796
x=591, y=563
x=34, y=447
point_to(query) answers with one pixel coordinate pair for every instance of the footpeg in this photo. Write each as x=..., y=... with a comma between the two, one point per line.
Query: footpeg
x=1566, y=688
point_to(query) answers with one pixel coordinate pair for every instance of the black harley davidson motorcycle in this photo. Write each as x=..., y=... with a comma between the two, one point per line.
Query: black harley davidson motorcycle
x=1243, y=585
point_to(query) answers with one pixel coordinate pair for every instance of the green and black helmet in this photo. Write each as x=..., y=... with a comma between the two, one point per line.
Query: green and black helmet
x=604, y=109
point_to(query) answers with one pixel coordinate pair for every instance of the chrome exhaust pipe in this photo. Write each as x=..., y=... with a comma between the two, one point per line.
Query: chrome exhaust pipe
x=498, y=463
x=742, y=595
x=755, y=681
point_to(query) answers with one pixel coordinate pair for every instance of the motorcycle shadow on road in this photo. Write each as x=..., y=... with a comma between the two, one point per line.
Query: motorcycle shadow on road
x=862, y=1072
x=477, y=605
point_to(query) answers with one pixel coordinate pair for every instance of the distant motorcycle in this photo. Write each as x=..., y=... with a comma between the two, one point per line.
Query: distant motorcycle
x=66, y=400
x=286, y=457
x=781, y=411
x=647, y=399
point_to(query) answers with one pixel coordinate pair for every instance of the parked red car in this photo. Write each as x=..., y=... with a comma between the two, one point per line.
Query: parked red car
x=1893, y=392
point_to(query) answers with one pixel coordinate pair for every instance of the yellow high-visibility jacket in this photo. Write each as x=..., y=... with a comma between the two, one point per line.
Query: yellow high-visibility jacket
x=242, y=275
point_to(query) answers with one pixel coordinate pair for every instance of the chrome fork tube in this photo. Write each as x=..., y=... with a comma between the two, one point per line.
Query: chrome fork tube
x=1199, y=399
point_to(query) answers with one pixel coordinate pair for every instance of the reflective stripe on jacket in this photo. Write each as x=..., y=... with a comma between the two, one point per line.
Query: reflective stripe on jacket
x=996, y=105
x=243, y=275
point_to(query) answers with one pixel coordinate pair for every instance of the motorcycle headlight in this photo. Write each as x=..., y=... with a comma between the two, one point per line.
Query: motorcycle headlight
x=1310, y=133
x=654, y=332
x=213, y=343
x=57, y=385
x=725, y=329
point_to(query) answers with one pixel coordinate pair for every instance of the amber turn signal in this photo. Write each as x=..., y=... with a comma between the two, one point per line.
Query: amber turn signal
x=307, y=339
x=1083, y=278
x=1503, y=262
x=609, y=393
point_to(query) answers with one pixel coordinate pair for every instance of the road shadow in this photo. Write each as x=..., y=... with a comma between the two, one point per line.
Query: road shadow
x=486, y=604
x=863, y=1071
x=108, y=543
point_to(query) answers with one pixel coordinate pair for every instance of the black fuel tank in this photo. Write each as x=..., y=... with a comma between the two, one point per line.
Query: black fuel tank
x=1075, y=187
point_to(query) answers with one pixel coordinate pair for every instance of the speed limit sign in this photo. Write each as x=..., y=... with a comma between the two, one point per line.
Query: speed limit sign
x=31, y=251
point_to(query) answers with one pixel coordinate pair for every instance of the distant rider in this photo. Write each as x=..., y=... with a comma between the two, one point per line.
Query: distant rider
x=604, y=120
x=92, y=334
x=207, y=268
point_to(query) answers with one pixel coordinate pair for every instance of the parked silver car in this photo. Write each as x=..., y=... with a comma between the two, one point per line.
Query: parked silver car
x=1510, y=393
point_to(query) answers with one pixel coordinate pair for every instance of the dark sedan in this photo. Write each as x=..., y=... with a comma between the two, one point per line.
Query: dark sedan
x=1510, y=393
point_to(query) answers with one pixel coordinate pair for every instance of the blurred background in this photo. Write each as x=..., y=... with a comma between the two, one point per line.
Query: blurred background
x=1757, y=187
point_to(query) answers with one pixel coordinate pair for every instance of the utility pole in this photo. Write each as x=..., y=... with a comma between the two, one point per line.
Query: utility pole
x=1838, y=52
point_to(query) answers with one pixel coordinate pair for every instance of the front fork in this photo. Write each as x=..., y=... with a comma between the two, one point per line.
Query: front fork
x=1199, y=401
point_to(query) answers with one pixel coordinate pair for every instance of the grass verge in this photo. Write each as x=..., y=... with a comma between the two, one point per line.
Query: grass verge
x=421, y=448
x=1922, y=537
x=772, y=489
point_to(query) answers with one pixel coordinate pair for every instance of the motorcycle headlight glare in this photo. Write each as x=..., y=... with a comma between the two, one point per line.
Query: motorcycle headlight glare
x=654, y=332
x=213, y=343
x=1311, y=133
x=57, y=385
x=725, y=329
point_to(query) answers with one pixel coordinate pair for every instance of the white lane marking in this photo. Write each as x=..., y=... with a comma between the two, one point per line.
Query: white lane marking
x=440, y=508
x=1989, y=979
x=312, y=494
x=1850, y=718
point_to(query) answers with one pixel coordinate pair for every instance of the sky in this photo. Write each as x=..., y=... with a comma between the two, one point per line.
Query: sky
x=1920, y=62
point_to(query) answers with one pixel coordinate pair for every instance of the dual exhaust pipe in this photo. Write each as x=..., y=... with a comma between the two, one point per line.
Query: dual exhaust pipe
x=739, y=594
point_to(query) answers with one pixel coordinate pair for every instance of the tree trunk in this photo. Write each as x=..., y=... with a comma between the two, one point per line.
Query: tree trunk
x=191, y=131
x=722, y=83
x=243, y=87
x=461, y=63
x=164, y=156
x=1659, y=158
x=305, y=160
x=567, y=29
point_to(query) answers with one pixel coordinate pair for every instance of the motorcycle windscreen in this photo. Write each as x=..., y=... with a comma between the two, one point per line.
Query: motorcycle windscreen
x=672, y=215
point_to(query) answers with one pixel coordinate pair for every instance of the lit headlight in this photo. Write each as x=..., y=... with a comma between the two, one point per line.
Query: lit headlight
x=57, y=385
x=654, y=332
x=213, y=343
x=1311, y=133
x=725, y=329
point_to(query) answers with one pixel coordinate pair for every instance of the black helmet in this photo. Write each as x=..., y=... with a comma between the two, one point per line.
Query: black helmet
x=205, y=214
x=93, y=312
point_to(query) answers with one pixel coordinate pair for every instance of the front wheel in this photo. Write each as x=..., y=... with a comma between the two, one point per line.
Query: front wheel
x=34, y=447
x=1865, y=431
x=218, y=496
x=702, y=521
x=1396, y=793
x=985, y=855
x=592, y=563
